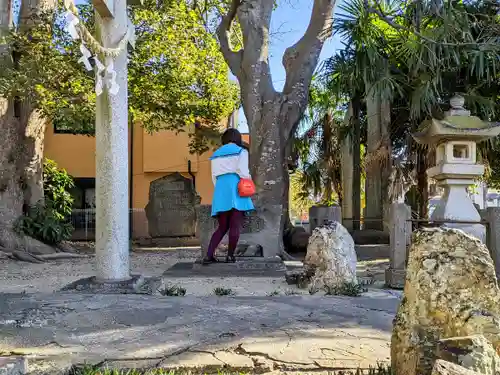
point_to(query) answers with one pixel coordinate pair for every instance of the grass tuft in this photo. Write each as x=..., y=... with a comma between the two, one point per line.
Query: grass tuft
x=171, y=290
x=380, y=369
x=220, y=291
x=346, y=289
x=273, y=293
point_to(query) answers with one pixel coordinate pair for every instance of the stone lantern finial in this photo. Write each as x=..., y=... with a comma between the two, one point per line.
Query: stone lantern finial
x=457, y=102
x=457, y=106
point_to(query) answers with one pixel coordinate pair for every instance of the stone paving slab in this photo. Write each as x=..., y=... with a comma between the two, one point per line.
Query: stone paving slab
x=289, y=333
x=13, y=366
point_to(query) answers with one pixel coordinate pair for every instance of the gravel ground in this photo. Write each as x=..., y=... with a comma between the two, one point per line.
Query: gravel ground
x=21, y=277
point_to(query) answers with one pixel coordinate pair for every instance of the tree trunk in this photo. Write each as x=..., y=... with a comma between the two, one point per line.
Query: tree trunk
x=356, y=162
x=272, y=116
x=34, y=123
x=11, y=154
x=21, y=152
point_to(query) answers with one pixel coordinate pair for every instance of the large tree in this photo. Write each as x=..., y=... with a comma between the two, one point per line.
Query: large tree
x=21, y=151
x=272, y=116
x=176, y=79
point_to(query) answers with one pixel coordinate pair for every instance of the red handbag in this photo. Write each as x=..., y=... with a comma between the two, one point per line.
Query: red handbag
x=246, y=187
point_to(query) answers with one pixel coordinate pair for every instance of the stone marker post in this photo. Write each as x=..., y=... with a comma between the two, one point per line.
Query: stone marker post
x=400, y=235
x=492, y=216
x=318, y=215
x=112, y=218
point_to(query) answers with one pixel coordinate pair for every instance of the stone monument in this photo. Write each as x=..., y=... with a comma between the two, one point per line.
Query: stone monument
x=251, y=227
x=319, y=215
x=455, y=138
x=171, y=207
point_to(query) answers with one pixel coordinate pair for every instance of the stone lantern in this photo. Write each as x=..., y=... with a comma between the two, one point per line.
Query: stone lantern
x=455, y=138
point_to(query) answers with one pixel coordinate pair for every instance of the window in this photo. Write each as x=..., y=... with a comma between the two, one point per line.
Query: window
x=83, y=193
x=461, y=151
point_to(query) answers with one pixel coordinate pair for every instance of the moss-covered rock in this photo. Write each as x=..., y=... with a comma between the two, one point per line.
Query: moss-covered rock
x=451, y=290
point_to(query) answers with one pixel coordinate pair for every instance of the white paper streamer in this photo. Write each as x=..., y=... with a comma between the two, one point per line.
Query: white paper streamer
x=105, y=75
x=113, y=87
x=72, y=21
x=98, y=76
x=85, y=57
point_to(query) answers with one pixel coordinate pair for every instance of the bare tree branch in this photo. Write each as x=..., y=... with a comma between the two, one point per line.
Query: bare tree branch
x=301, y=59
x=232, y=58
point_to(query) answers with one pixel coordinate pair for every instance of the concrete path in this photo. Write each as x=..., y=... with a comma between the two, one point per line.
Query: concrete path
x=288, y=333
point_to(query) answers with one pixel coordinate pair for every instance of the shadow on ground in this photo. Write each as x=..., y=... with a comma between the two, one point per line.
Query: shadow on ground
x=135, y=331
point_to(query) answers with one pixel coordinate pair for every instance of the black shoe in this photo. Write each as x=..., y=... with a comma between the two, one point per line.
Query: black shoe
x=209, y=260
x=230, y=259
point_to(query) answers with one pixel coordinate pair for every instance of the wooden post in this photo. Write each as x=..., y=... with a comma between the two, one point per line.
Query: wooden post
x=400, y=234
x=492, y=216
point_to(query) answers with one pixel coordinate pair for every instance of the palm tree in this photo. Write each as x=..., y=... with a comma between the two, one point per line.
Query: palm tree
x=317, y=143
x=415, y=56
x=343, y=80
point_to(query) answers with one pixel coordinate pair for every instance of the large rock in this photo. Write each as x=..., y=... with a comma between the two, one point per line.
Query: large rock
x=331, y=253
x=449, y=368
x=473, y=352
x=451, y=291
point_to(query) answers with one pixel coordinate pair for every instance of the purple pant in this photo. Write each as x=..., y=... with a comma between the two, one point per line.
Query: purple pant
x=228, y=221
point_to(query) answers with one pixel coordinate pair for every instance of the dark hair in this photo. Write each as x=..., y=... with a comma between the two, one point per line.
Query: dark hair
x=232, y=136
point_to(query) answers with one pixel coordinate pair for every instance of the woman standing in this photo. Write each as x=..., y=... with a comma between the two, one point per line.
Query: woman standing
x=229, y=165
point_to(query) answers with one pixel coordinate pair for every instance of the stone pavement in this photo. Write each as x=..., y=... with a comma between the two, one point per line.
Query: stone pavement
x=288, y=333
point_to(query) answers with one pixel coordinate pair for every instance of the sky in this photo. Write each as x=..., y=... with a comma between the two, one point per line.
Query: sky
x=288, y=23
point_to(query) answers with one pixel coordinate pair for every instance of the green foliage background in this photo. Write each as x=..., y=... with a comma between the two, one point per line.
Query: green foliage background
x=47, y=221
x=177, y=75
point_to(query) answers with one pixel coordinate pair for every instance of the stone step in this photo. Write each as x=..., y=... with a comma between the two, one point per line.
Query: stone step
x=371, y=252
x=263, y=267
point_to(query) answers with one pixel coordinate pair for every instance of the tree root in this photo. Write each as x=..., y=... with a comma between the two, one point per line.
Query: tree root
x=62, y=255
x=24, y=256
x=28, y=249
x=13, y=241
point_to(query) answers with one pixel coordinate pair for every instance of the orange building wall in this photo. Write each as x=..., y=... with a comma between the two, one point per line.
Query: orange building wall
x=154, y=156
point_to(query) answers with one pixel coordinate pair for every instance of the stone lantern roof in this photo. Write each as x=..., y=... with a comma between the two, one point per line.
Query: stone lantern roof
x=457, y=124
